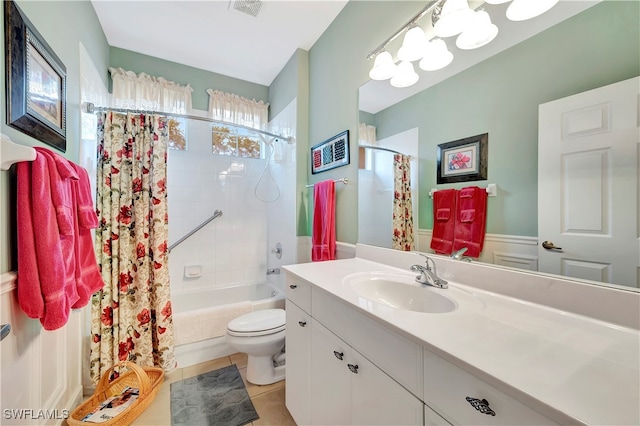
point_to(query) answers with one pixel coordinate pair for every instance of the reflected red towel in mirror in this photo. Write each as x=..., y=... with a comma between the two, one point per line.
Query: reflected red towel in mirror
x=444, y=218
x=471, y=220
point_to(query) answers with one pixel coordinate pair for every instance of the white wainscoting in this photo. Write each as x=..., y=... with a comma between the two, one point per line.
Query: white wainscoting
x=504, y=250
x=343, y=250
x=40, y=370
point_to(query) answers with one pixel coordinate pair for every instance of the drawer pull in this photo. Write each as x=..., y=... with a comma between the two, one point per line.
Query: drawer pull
x=481, y=405
x=339, y=355
x=293, y=286
x=302, y=323
x=353, y=368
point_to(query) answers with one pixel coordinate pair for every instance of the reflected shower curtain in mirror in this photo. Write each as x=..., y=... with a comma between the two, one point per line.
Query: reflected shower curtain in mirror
x=131, y=317
x=402, y=238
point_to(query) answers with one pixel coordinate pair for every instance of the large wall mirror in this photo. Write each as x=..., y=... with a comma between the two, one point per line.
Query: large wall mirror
x=578, y=47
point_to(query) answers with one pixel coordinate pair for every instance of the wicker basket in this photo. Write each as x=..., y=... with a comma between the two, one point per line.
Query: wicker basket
x=146, y=379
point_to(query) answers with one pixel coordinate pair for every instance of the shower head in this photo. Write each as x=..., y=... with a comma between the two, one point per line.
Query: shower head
x=291, y=140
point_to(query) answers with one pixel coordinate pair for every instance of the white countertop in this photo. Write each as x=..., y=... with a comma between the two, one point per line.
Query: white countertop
x=569, y=367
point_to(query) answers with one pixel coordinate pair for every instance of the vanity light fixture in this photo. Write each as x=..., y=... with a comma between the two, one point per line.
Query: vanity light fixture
x=406, y=75
x=521, y=10
x=480, y=31
x=454, y=17
x=449, y=18
x=437, y=56
x=413, y=45
x=384, y=67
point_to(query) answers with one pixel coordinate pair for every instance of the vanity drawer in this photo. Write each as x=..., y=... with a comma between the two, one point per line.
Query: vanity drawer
x=393, y=353
x=299, y=292
x=446, y=388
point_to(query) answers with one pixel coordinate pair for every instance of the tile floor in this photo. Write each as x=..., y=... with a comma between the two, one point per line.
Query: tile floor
x=268, y=400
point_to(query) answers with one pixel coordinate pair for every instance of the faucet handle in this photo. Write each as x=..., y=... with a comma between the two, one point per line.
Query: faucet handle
x=426, y=259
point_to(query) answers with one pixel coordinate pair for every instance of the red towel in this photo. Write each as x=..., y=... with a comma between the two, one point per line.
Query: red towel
x=61, y=173
x=57, y=267
x=87, y=217
x=44, y=258
x=471, y=220
x=444, y=218
x=88, y=277
x=323, y=238
x=30, y=297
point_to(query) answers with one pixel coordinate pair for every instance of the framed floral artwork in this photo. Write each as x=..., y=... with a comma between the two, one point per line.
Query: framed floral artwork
x=463, y=160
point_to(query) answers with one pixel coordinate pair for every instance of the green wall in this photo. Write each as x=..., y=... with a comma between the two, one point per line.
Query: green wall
x=499, y=96
x=64, y=25
x=200, y=80
x=293, y=83
x=338, y=66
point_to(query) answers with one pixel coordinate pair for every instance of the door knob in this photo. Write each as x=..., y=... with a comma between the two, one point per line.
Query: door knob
x=549, y=246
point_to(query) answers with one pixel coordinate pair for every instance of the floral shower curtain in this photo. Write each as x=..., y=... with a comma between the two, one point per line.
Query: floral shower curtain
x=402, y=238
x=131, y=317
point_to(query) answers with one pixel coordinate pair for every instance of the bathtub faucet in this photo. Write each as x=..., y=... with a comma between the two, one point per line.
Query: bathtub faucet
x=273, y=271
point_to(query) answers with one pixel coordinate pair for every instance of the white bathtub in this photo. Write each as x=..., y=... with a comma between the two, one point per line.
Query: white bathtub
x=211, y=309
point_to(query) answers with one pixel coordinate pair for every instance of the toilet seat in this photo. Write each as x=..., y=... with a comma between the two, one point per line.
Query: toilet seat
x=258, y=323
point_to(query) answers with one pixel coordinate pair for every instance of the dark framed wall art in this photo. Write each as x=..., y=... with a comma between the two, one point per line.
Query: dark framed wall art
x=463, y=160
x=36, y=81
x=332, y=153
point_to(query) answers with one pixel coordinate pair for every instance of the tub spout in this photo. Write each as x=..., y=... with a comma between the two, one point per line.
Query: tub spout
x=273, y=271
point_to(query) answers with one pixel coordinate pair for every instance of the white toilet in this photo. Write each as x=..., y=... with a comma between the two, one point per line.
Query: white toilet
x=260, y=334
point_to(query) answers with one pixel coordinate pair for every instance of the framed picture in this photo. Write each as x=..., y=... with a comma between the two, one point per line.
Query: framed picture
x=463, y=160
x=332, y=153
x=36, y=81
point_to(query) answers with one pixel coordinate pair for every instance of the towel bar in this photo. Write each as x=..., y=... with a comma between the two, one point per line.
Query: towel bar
x=14, y=153
x=492, y=190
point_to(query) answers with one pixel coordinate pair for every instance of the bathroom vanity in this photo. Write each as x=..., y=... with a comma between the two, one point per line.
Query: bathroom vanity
x=367, y=345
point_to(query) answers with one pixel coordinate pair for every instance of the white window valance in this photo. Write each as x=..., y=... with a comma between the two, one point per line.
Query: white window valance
x=145, y=92
x=366, y=134
x=238, y=110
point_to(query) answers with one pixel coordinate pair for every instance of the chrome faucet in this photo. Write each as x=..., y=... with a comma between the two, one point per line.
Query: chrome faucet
x=428, y=274
x=458, y=255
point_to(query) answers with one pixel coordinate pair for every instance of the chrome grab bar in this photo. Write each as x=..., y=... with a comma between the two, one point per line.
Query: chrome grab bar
x=216, y=214
x=4, y=331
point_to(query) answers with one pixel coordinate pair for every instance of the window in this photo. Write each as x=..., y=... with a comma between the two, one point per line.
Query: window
x=177, y=133
x=235, y=142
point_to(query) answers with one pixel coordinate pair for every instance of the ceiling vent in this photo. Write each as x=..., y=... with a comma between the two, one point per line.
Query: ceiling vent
x=250, y=7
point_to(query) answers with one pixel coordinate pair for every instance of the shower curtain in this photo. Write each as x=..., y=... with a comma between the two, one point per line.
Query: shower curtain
x=402, y=238
x=131, y=317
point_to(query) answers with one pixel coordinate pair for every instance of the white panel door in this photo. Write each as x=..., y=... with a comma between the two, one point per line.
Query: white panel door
x=588, y=184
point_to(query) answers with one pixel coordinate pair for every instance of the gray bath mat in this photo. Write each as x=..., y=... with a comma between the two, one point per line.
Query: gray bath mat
x=215, y=398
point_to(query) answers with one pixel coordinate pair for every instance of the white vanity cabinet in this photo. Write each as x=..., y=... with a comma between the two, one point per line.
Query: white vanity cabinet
x=346, y=368
x=298, y=348
x=347, y=389
x=330, y=382
x=453, y=392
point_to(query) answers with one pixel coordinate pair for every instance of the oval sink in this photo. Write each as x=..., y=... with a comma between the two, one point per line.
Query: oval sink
x=400, y=292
